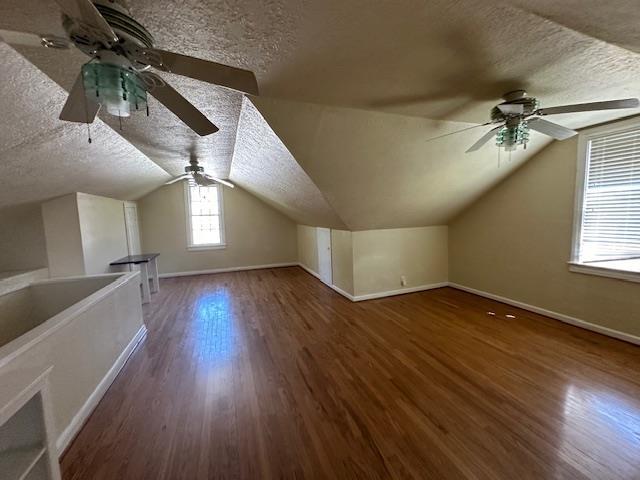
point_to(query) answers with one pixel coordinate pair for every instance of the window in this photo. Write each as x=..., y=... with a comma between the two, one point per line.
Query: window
x=607, y=229
x=205, y=223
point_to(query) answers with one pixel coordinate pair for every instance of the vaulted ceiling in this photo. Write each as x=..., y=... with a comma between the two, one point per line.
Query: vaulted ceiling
x=350, y=93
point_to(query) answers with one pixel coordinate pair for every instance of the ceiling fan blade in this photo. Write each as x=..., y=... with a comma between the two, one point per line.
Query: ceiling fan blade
x=33, y=39
x=588, y=107
x=484, y=139
x=177, y=179
x=511, y=108
x=179, y=105
x=204, y=70
x=226, y=183
x=88, y=15
x=78, y=108
x=457, y=131
x=552, y=129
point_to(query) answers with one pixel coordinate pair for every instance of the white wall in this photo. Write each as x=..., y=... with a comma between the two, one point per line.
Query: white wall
x=342, y=260
x=308, y=247
x=22, y=241
x=103, y=233
x=255, y=233
x=84, y=233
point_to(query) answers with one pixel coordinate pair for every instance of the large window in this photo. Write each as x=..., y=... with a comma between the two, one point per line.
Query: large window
x=205, y=223
x=607, y=230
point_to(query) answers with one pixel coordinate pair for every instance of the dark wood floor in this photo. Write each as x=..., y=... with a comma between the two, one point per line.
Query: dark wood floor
x=269, y=374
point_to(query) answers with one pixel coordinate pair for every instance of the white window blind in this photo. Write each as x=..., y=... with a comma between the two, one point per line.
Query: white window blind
x=611, y=205
x=205, y=216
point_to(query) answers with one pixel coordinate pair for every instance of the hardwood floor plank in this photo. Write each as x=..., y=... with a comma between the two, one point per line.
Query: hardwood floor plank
x=270, y=374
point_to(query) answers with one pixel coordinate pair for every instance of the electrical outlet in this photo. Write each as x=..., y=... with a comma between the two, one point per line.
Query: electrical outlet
x=403, y=280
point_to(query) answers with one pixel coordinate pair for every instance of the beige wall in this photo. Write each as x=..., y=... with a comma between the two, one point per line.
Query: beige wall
x=62, y=232
x=256, y=234
x=373, y=261
x=381, y=257
x=22, y=242
x=515, y=242
x=342, y=260
x=308, y=247
x=102, y=229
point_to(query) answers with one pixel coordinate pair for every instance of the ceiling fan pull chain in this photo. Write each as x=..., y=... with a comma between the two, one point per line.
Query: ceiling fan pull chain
x=86, y=113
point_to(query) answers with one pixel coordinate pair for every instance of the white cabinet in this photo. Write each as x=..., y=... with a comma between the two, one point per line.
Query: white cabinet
x=27, y=451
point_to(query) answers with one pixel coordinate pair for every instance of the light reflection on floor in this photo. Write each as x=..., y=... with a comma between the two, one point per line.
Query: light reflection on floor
x=598, y=420
x=214, y=328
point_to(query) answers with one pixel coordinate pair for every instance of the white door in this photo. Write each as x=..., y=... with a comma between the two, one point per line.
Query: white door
x=324, y=255
x=131, y=225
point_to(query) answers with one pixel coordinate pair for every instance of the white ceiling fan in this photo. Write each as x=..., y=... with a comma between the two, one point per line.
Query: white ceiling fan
x=194, y=173
x=519, y=114
x=119, y=75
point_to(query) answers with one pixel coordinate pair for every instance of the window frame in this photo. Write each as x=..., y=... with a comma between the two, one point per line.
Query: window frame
x=575, y=265
x=187, y=208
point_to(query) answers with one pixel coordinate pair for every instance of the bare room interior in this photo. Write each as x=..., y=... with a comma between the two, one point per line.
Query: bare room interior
x=283, y=239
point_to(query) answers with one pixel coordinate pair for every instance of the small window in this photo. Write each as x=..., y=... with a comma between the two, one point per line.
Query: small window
x=607, y=228
x=205, y=223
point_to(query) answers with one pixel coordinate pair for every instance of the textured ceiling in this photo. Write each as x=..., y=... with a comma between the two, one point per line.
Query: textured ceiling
x=42, y=157
x=445, y=59
x=263, y=164
x=413, y=59
x=378, y=171
x=613, y=21
x=162, y=136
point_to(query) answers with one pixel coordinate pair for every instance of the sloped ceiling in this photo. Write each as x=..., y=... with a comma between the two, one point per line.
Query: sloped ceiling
x=613, y=21
x=439, y=59
x=378, y=170
x=263, y=164
x=445, y=59
x=42, y=157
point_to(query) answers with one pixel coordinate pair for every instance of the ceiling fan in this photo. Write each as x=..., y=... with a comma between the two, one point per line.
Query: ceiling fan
x=519, y=114
x=119, y=75
x=194, y=173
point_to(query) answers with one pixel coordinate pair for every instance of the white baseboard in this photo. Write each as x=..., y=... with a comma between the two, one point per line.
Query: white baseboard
x=333, y=287
x=371, y=296
x=555, y=315
x=78, y=420
x=343, y=293
x=308, y=270
x=400, y=291
x=225, y=270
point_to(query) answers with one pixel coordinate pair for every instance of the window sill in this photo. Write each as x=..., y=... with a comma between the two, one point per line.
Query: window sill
x=197, y=248
x=602, y=271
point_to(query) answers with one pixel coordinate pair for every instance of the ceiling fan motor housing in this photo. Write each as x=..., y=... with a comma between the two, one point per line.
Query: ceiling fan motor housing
x=193, y=167
x=529, y=106
x=132, y=36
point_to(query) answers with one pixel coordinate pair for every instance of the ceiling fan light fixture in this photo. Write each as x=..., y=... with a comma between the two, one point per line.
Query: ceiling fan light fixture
x=511, y=136
x=118, y=89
